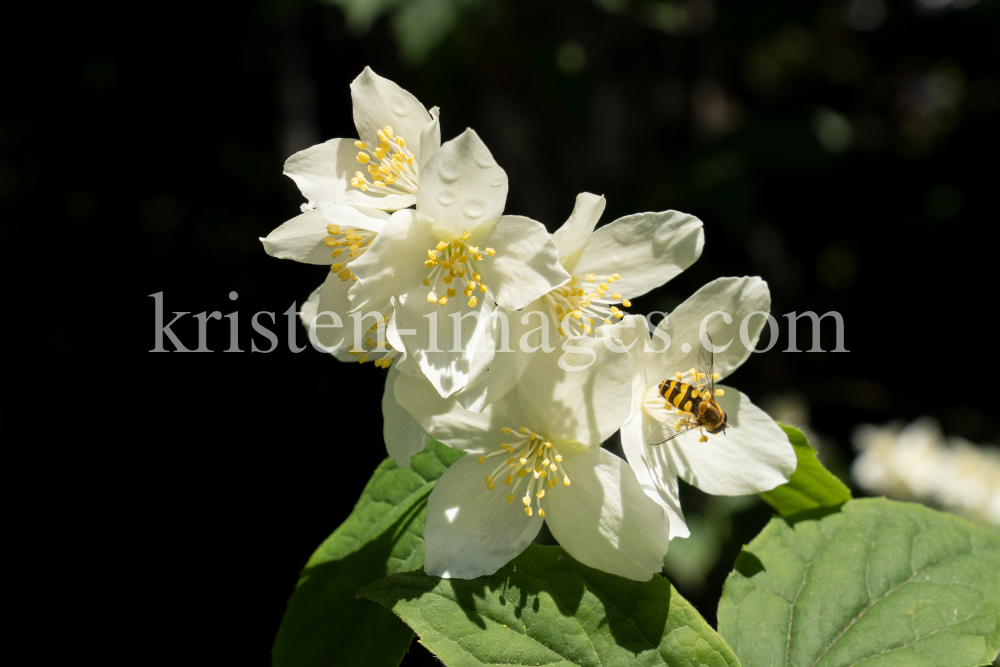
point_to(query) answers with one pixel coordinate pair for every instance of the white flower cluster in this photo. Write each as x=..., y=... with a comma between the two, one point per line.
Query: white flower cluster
x=916, y=462
x=452, y=282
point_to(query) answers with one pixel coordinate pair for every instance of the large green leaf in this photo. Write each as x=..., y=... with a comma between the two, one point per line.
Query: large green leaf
x=545, y=608
x=811, y=485
x=325, y=624
x=878, y=583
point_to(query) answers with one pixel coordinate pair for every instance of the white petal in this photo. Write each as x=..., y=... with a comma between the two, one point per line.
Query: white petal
x=446, y=359
x=404, y=437
x=751, y=456
x=654, y=471
x=310, y=307
x=447, y=421
x=324, y=171
x=580, y=224
x=371, y=197
x=585, y=406
x=494, y=375
x=333, y=299
x=392, y=333
x=646, y=249
x=526, y=264
x=461, y=186
x=604, y=519
x=301, y=238
x=630, y=333
x=379, y=102
x=393, y=263
x=738, y=297
x=470, y=531
x=430, y=139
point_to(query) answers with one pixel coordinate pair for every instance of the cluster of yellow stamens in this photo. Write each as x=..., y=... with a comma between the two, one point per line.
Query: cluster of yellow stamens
x=391, y=165
x=356, y=243
x=370, y=346
x=532, y=454
x=695, y=378
x=451, y=261
x=575, y=308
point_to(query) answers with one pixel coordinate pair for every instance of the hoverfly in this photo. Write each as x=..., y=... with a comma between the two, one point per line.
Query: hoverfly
x=695, y=402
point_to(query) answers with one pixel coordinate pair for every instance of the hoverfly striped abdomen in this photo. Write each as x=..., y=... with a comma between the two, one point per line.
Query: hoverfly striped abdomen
x=695, y=403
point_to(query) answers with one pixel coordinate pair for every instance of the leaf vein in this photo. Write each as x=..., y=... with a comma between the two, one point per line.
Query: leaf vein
x=791, y=608
x=884, y=596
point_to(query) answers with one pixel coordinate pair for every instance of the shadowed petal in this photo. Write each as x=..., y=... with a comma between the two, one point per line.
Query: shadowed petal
x=580, y=224
x=737, y=297
x=526, y=265
x=646, y=249
x=752, y=455
x=404, y=437
x=301, y=238
x=379, y=102
x=604, y=519
x=654, y=471
x=471, y=531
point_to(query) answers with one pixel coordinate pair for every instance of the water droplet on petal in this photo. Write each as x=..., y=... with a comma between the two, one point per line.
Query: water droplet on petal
x=446, y=198
x=473, y=209
x=485, y=160
x=448, y=171
x=399, y=106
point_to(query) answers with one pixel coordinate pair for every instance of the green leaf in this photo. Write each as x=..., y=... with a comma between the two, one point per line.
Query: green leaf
x=325, y=624
x=811, y=485
x=878, y=583
x=545, y=608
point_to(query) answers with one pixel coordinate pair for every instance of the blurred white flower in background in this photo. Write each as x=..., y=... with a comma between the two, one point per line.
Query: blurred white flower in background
x=916, y=462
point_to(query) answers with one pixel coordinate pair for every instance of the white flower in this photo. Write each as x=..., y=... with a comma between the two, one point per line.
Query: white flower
x=753, y=454
x=450, y=261
x=345, y=209
x=915, y=462
x=620, y=261
x=311, y=239
x=379, y=343
x=535, y=454
x=381, y=168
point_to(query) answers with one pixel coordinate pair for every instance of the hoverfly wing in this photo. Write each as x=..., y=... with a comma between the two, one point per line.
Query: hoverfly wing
x=667, y=429
x=706, y=363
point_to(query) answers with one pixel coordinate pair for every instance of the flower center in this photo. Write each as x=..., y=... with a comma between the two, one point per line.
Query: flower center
x=369, y=344
x=391, y=165
x=575, y=308
x=532, y=453
x=453, y=261
x=355, y=242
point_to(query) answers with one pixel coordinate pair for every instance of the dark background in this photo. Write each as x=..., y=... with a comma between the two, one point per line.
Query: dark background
x=845, y=152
